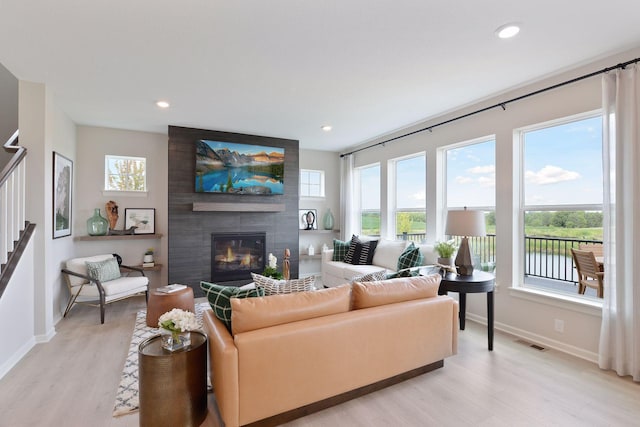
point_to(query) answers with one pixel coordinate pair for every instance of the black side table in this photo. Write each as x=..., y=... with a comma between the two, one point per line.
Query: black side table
x=173, y=385
x=479, y=282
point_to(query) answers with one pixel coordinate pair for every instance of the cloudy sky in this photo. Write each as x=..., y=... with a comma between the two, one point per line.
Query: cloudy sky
x=563, y=166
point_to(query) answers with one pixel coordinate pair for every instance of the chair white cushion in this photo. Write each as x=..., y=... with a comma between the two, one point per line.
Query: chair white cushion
x=79, y=265
x=122, y=286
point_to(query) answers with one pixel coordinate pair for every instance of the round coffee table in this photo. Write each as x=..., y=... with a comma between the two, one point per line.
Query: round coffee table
x=160, y=302
x=173, y=385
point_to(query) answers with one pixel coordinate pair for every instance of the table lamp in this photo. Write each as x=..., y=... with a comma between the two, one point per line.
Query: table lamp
x=465, y=223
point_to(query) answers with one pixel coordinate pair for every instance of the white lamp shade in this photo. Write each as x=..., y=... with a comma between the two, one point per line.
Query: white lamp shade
x=465, y=223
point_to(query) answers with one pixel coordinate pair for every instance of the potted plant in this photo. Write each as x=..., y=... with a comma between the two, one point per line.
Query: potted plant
x=148, y=255
x=445, y=251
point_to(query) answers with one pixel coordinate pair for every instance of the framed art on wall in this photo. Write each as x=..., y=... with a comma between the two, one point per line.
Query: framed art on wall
x=144, y=219
x=307, y=219
x=62, y=195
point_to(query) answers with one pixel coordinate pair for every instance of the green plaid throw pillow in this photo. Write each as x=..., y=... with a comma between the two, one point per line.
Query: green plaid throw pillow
x=410, y=257
x=340, y=249
x=220, y=299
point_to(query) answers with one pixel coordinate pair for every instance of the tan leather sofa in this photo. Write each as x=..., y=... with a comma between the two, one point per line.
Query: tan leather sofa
x=289, y=351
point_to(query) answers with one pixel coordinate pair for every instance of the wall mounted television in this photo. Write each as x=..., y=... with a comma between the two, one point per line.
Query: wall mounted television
x=233, y=168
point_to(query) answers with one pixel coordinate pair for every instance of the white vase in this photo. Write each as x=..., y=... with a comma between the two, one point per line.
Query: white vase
x=147, y=258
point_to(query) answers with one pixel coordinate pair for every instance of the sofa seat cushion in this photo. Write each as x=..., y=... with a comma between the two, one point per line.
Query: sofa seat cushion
x=348, y=271
x=372, y=294
x=262, y=312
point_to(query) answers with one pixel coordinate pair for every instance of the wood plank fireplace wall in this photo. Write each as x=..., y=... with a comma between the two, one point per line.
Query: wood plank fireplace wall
x=194, y=216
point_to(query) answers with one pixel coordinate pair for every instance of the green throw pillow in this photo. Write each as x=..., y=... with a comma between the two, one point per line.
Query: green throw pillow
x=104, y=270
x=340, y=249
x=410, y=257
x=403, y=273
x=220, y=299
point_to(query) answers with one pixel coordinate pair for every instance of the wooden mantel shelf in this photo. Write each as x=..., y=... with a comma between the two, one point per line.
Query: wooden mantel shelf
x=237, y=207
x=120, y=237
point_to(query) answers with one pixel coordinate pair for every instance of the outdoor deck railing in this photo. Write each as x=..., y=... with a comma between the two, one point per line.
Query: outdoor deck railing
x=545, y=257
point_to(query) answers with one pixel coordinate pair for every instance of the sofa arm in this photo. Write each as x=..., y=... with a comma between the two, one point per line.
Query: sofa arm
x=223, y=363
x=327, y=255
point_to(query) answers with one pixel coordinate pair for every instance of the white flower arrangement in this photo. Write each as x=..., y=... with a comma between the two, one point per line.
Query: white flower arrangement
x=273, y=261
x=178, y=320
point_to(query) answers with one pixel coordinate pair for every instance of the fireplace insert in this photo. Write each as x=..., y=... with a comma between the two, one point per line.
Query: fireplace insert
x=234, y=256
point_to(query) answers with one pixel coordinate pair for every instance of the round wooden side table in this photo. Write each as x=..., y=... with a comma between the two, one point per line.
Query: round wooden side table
x=160, y=302
x=172, y=385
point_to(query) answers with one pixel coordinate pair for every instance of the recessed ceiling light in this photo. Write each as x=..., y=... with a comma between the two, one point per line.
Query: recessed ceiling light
x=326, y=128
x=508, y=30
x=162, y=104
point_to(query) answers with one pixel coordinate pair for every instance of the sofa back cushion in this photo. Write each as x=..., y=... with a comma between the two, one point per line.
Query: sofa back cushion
x=262, y=312
x=372, y=294
x=387, y=253
x=429, y=253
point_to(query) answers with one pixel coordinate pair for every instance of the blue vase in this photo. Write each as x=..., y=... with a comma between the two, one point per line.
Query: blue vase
x=328, y=220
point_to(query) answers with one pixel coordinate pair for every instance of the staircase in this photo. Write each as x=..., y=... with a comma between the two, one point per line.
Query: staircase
x=15, y=232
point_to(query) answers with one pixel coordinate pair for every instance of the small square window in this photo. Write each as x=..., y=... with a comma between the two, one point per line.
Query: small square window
x=311, y=183
x=124, y=173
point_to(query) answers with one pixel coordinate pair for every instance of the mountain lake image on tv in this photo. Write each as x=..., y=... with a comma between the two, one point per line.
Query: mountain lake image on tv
x=227, y=167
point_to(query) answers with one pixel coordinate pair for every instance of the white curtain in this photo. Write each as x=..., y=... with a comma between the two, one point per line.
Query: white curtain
x=620, y=333
x=347, y=194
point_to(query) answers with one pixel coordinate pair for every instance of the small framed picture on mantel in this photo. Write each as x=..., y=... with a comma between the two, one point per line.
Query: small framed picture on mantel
x=144, y=219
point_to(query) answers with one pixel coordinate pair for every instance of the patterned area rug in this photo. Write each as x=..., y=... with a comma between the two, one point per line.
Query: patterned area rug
x=127, y=395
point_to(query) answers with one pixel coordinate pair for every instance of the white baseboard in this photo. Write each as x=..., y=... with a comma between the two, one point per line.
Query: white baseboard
x=16, y=357
x=46, y=337
x=538, y=339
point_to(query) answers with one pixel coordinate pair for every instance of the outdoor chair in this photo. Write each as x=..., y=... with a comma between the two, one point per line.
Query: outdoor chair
x=589, y=274
x=97, y=281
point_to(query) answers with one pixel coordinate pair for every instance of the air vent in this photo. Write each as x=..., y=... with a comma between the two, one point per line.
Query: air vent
x=534, y=346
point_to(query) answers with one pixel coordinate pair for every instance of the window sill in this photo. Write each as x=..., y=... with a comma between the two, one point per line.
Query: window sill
x=108, y=193
x=568, y=302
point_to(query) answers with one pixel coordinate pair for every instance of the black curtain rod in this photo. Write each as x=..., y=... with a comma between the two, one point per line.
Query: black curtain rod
x=502, y=105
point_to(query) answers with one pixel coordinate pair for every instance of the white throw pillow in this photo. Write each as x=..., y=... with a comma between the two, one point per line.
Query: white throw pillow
x=276, y=287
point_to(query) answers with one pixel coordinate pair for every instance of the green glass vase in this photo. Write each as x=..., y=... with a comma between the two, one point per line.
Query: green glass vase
x=328, y=220
x=97, y=225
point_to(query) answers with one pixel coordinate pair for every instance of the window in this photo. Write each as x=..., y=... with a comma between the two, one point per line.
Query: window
x=311, y=183
x=410, y=194
x=561, y=204
x=123, y=173
x=471, y=181
x=368, y=185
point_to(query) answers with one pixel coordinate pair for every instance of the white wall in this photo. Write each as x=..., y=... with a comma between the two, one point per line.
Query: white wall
x=522, y=313
x=17, y=313
x=329, y=162
x=93, y=144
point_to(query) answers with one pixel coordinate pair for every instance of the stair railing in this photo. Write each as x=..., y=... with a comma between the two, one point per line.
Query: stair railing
x=12, y=206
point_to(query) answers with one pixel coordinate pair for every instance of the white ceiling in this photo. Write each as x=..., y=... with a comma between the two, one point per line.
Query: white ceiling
x=284, y=68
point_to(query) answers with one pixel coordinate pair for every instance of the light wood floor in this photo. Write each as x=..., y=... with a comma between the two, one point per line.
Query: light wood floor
x=72, y=381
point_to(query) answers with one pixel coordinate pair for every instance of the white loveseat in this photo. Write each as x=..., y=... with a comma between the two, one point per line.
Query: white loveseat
x=385, y=257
